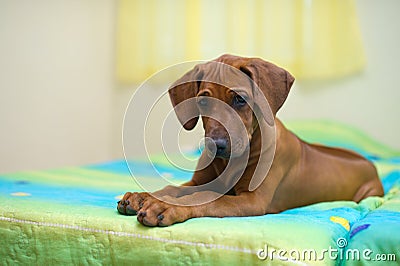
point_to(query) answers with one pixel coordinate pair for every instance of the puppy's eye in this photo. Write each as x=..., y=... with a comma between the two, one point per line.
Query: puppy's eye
x=239, y=100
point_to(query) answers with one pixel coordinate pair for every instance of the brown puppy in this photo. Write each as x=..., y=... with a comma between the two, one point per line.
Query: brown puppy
x=300, y=173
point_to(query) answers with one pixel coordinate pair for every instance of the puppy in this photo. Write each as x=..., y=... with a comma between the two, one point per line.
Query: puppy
x=251, y=164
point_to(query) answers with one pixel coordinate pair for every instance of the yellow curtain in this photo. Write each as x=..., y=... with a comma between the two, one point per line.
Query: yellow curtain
x=312, y=39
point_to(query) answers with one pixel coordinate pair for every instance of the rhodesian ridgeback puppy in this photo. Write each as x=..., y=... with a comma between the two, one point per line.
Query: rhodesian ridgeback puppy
x=299, y=173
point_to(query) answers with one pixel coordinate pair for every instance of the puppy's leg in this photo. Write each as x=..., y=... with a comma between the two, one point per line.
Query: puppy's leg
x=131, y=202
x=371, y=188
x=154, y=212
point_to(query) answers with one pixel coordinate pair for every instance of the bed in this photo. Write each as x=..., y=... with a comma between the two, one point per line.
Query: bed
x=68, y=216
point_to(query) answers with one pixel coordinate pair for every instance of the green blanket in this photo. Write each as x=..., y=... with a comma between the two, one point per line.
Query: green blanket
x=68, y=216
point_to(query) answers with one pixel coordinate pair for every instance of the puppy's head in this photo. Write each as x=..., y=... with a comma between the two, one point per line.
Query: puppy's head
x=229, y=93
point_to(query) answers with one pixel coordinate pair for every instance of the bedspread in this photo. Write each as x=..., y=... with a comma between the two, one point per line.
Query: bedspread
x=68, y=216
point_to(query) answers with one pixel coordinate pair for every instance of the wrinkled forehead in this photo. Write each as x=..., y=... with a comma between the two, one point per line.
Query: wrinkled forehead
x=226, y=76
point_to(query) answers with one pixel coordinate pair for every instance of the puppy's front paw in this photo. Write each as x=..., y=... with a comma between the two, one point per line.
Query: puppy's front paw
x=158, y=213
x=131, y=203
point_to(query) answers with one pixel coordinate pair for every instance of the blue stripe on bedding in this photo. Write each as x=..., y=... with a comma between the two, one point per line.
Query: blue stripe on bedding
x=61, y=194
x=142, y=169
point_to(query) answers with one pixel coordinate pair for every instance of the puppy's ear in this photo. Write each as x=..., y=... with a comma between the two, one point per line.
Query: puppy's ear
x=183, y=89
x=273, y=81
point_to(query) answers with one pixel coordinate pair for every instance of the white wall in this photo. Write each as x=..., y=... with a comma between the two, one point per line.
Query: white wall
x=56, y=82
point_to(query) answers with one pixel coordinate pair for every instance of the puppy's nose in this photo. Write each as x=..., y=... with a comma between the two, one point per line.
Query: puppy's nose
x=219, y=144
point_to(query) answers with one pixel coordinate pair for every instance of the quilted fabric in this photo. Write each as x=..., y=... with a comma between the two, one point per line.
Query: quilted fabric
x=68, y=216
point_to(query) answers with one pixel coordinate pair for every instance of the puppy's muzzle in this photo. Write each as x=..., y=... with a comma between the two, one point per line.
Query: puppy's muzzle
x=218, y=146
